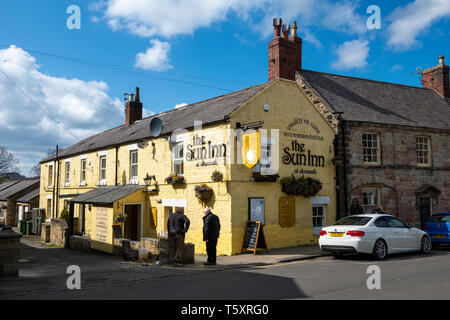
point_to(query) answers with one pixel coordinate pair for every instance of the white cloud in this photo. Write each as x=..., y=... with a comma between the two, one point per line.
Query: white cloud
x=152, y=19
x=412, y=20
x=155, y=58
x=396, y=67
x=80, y=108
x=352, y=54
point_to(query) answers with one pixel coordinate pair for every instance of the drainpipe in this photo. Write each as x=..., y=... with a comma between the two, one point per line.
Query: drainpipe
x=57, y=183
x=344, y=167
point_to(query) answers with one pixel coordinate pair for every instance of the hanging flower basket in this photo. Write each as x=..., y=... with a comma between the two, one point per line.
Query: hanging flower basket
x=257, y=177
x=217, y=176
x=122, y=217
x=175, y=179
x=204, y=193
x=306, y=187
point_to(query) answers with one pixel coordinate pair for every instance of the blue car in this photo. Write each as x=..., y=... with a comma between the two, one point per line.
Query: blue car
x=438, y=227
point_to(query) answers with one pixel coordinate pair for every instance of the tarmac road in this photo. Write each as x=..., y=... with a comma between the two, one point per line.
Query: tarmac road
x=405, y=276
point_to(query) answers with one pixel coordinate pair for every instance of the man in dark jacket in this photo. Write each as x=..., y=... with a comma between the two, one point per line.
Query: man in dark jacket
x=355, y=207
x=211, y=230
x=177, y=226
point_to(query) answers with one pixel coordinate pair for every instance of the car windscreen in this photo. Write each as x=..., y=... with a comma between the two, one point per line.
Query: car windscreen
x=440, y=218
x=353, y=221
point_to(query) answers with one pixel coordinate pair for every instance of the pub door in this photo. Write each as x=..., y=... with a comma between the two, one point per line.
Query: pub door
x=424, y=210
x=131, y=226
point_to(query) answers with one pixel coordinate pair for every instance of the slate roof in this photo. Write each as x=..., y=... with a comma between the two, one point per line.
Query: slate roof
x=29, y=196
x=6, y=185
x=381, y=102
x=106, y=195
x=208, y=111
x=16, y=188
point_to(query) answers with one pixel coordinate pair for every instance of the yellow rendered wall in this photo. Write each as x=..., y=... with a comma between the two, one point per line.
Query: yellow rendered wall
x=286, y=103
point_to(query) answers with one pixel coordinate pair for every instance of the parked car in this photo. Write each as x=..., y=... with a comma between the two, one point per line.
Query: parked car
x=376, y=234
x=438, y=227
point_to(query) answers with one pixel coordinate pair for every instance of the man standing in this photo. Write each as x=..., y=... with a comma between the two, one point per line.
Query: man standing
x=178, y=225
x=211, y=230
x=355, y=207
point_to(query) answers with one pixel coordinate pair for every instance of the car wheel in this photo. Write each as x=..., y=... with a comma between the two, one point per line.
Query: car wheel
x=426, y=245
x=380, y=249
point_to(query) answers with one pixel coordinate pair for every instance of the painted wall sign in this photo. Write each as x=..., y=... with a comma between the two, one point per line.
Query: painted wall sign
x=305, y=122
x=287, y=211
x=297, y=154
x=201, y=149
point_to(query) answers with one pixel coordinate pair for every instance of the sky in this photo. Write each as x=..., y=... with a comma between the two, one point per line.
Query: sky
x=65, y=65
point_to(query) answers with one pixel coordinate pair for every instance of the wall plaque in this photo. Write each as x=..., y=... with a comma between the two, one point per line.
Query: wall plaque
x=287, y=211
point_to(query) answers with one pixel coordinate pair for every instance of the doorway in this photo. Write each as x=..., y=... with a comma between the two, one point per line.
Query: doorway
x=131, y=225
x=425, y=210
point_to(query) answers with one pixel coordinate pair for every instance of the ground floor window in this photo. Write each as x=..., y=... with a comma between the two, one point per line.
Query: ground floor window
x=370, y=199
x=256, y=209
x=318, y=216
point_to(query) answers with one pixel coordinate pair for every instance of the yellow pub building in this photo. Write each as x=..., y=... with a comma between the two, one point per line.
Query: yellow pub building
x=239, y=154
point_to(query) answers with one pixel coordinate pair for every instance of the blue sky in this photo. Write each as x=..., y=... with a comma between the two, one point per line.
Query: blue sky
x=184, y=51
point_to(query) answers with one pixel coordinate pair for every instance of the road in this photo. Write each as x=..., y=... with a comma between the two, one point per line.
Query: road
x=405, y=276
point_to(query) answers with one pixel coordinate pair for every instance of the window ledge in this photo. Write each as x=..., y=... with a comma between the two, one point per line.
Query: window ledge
x=82, y=184
x=133, y=181
x=101, y=183
x=67, y=184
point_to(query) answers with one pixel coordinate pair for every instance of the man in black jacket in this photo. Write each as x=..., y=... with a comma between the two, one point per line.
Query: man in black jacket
x=178, y=225
x=211, y=230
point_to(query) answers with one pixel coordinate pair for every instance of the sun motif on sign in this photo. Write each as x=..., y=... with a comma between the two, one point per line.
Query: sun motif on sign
x=250, y=155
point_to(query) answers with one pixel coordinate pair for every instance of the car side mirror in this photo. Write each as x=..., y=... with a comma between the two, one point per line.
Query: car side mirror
x=410, y=226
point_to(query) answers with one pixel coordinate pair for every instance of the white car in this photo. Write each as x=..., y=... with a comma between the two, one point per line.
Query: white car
x=377, y=234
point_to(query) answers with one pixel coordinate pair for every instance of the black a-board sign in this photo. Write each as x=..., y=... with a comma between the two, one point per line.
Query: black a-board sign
x=254, y=237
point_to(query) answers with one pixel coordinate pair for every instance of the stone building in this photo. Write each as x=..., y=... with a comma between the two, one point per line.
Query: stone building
x=383, y=143
x=16, y=198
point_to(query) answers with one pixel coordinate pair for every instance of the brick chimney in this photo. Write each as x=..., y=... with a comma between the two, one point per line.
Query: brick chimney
x=285, y=52
x=437, y=78
x=133, y=109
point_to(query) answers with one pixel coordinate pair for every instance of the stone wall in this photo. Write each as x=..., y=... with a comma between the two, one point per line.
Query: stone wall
x=9, y=252
x=397, y=176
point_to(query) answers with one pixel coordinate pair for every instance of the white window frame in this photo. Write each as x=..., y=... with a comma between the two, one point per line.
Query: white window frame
x=178, y=158
x=317, y=229
x=421, y=160
x=134, y=165
x=102, y=177
x=66, y=173
x=50, y=176
x=372, y=201
x=369, y=146
x=83, y=172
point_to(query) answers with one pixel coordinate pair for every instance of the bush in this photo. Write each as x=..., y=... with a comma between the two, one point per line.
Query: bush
x=64, y=214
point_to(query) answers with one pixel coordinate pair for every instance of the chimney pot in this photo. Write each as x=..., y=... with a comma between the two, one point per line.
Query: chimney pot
x=286, y=30
x=131, y=97
x=277, y=27
x=137, y=98
x=441, y=60
x=294, y=29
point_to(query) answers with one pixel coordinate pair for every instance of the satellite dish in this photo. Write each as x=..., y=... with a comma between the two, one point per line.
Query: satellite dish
x=156, y=126
x=266, y=107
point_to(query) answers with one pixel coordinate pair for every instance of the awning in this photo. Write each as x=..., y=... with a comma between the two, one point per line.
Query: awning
x=106, y=195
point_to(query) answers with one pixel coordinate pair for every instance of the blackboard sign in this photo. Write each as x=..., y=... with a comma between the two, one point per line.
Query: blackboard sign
x=254, y=237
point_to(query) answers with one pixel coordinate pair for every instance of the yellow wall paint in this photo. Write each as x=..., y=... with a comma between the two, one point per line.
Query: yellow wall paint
x=287, y=102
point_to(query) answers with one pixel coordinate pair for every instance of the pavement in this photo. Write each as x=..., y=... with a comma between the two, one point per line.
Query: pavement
x=274, y=256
